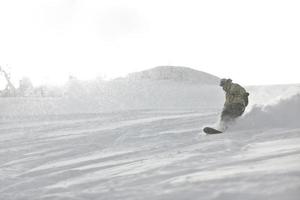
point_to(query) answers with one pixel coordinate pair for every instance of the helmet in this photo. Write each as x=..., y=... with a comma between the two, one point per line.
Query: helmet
x=223, y=81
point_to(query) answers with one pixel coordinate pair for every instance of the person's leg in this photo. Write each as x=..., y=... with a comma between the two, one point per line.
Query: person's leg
x=229, y=115
x=237, y=110
x=226, y=118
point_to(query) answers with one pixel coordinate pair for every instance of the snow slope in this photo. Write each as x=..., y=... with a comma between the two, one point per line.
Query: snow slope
x=150, y=153
x=119, y=95
x=182, y=74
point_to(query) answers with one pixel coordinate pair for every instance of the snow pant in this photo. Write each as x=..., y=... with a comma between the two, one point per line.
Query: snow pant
x=232, y=111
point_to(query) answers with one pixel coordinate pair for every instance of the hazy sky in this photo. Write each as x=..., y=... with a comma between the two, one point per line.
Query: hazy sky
x=253, y=42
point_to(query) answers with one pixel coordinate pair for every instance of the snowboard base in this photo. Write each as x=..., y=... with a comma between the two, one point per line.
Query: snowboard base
x=209, y=130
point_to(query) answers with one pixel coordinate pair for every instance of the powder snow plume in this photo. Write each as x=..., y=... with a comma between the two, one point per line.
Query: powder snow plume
x=285, y=113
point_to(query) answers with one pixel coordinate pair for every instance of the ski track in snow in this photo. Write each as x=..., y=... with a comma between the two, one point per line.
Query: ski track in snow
x=145, y=155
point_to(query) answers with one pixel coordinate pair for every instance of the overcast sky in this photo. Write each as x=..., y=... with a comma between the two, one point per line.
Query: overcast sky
x=253, y=42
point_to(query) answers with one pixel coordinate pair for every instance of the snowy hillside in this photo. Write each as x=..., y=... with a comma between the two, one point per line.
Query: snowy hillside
x=122, y=141
x=182, y=74
x=118, y=95
x=162, y=88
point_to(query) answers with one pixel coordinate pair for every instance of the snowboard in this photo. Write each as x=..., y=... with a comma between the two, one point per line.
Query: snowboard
x=209, y=130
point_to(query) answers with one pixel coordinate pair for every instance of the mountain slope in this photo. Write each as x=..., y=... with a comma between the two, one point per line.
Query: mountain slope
x=182, y=74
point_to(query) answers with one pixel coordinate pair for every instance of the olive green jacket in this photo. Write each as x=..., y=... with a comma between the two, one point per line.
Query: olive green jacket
x=235, y=94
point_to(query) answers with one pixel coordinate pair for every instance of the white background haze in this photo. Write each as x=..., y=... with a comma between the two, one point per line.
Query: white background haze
x=253, y=42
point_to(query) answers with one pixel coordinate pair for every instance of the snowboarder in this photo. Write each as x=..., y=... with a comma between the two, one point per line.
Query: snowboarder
x=236, y=100
x=235, y=105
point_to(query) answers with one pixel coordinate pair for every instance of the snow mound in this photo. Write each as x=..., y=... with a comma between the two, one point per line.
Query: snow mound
x=182, y=74
x=286, y=113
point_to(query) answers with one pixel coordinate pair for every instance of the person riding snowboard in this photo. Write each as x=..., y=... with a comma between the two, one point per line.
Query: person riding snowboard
x=236, y=101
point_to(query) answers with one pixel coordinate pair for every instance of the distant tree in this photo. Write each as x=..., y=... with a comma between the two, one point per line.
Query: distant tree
x=40, y=91
x=10, y=89
x=74, y=87
x=26, y=87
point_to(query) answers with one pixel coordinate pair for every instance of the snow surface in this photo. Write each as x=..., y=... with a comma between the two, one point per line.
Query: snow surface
x=174, y=73
x=150, y=147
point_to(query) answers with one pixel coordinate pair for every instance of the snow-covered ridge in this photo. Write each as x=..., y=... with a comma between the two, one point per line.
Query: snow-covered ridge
x=184, y=74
